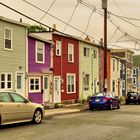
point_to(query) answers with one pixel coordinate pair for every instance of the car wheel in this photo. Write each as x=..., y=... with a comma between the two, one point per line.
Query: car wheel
x=37, y=118
x=118, y=107
x=91, y=108
x=126, y=102
x=111, y=106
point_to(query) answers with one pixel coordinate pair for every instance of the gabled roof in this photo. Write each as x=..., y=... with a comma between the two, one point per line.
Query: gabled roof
x=39, y=37
x=14, y=21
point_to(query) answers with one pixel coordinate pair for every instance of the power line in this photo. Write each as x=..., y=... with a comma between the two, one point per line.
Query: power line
x=47, y=10
x=113, y=35
x=88, y=23
x=57, y=18
x=71, y=16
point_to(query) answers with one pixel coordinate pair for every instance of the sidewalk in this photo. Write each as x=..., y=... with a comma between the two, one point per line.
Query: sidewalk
x=65, y=110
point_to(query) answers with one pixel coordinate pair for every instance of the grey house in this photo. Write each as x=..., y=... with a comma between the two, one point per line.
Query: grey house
x=13, y=56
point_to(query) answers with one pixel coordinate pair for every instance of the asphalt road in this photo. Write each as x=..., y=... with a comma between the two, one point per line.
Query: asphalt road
x=122, y=124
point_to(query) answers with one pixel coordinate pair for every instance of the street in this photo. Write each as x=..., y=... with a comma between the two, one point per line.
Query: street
x=122, y=124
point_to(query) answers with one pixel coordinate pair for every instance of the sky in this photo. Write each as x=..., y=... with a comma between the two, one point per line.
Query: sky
x=84, y=17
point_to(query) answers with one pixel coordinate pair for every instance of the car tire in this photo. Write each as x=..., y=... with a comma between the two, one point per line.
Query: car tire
x=118, y=107
x=111, y=106
x=91, y=108
x=126, y=102
x=37, y=118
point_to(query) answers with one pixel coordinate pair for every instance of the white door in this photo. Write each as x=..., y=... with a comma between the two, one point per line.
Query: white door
x=20, y=84
x=57, y=89
x=46, y=88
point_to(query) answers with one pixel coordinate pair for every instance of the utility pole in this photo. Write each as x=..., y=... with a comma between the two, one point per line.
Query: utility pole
x=104, y=7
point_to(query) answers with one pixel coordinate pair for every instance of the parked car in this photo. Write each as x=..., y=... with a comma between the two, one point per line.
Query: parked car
x=104, y=100
x=14, y=109
x=132, y=97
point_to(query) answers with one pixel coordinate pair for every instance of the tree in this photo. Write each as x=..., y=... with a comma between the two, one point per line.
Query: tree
x=36, y=28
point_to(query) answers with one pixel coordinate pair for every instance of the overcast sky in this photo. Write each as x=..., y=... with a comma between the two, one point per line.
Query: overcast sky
x=84, y=19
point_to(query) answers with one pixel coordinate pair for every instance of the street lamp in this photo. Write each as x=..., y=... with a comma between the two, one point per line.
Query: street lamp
x=104, y=6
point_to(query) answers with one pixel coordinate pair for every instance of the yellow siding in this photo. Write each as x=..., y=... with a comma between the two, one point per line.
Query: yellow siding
x=88, y=65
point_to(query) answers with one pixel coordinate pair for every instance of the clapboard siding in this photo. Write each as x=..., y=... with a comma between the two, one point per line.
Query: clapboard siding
x=88, y=65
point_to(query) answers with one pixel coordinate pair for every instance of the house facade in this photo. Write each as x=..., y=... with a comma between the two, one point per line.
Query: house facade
x=13, y=68
x=88, y=69
x=127, y=62
x=39, y=69
x=115, y=82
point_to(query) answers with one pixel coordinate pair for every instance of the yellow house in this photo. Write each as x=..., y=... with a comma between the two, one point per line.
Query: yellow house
x=88, y=69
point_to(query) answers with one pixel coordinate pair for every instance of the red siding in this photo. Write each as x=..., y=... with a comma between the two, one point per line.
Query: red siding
x=62, y=66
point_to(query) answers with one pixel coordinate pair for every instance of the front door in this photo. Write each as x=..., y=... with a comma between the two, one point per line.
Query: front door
x=57, y=89
x=46, y=88
x=20, y=84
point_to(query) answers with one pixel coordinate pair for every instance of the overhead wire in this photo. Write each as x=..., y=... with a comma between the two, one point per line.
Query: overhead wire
x=113, y=34
x=56, y=18
x=87, y=23
x=47, y=10
x=71, y=15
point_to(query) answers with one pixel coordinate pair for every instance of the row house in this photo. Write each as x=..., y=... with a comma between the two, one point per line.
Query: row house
x=127, y=68
x=13, y=56
x=39, y=69
x=65, y=67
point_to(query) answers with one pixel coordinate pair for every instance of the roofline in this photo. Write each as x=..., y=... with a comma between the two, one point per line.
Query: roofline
x=40, y=38
x=14, y=21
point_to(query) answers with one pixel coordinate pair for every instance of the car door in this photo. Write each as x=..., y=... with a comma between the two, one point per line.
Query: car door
x=24, y=107
x=114, y=100
x=8, y=110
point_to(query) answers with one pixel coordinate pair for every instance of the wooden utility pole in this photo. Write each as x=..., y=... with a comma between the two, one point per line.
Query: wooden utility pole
x=104, y=7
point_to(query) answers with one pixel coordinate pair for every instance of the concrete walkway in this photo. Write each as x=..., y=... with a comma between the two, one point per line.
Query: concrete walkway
x=65, y=110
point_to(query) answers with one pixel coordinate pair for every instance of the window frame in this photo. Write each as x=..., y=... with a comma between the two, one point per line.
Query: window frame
x=71, y=52
x=74, y=76
x=11, y=39
x=95, y=53
x=113, y=86
x=43, y=53
x=6, y=81
x=58, y=47
x=86, y=51
x=39, y=84
x=86, y=82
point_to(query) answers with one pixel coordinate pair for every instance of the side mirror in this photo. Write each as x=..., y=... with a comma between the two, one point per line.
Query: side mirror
x=26, y=101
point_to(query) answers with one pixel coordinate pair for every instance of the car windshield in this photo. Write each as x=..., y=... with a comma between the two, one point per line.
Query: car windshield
x=103, y=94
x=132, y=93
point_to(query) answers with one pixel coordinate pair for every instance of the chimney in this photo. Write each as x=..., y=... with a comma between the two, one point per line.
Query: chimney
x=20, y=19
x=88, y=39
x=54, y=27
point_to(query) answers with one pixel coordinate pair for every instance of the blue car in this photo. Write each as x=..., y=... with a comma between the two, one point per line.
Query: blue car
x=104, y=101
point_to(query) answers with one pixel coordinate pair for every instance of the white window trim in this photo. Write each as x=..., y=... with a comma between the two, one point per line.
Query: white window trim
x=6, y=81
x=11, y=39
x=84, y=86
x=72, y=47
x=71, y=74
x=34, y=91
x=86, y=52
x=36, y=46
x=58, y=47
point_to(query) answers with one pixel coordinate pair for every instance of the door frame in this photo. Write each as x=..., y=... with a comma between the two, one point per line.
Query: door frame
x=54, y=97
x=23, y=82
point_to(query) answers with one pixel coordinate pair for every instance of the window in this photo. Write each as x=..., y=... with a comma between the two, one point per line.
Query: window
x=71, y=86
x=40, y=52
x=113, y=85
x=86, y=82
x=86, y=52
x=134, y=71
x=70, y=52
x=8, y=39
x=113, y=64
x=34, y=84
x=134, y=80
x=58, y=48
x=4, y=97
x=5, y=81
x=18, y=98
x=123, y=84
x=94, y=53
